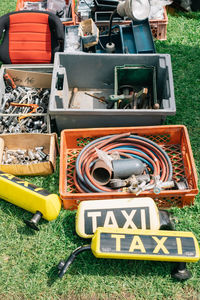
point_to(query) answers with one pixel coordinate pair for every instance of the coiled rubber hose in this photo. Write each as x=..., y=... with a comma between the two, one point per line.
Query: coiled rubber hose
x=128, y=146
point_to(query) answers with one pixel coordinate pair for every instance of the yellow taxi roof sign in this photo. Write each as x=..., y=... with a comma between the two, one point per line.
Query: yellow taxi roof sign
x=135, y=213
x=161, y=245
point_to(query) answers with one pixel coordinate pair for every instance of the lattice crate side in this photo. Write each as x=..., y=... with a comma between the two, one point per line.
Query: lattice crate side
x=159, y=27
x=160, y=139
x=168, y=202
x=159, y=31
x=187, y=161
x=71, y=156
x=174, y=152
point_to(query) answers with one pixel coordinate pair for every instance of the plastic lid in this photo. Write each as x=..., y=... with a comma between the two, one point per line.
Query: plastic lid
x=140, y=9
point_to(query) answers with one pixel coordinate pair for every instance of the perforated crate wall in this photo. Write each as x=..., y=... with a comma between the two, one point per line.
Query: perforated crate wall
x=158, y=27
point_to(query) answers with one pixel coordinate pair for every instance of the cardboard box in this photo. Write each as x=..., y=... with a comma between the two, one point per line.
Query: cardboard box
x=28, y=141
x=30, y=78
x=89, y=33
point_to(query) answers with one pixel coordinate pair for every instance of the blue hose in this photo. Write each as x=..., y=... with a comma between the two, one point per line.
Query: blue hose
x=84, y=182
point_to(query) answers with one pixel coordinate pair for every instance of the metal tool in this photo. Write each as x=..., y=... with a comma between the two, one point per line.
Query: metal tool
x=157, y=186
x=31, y=105
x=101, y=99
x=133, y=182
x=121, y=101
x=182, y=184
x=142, y=95
x=129, y=99
x=71, y=100
x=6, y=102
x=9, y=80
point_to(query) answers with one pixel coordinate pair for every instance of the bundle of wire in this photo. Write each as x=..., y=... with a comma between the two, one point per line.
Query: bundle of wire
x=128, y=146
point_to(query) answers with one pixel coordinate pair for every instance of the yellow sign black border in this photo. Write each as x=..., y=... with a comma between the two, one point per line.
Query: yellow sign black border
x=95, y=246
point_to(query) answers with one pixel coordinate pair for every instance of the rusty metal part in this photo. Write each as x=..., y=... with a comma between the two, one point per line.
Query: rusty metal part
x=71, y=100
x=117, y=183
x=135, y=100
x=31, y=105
x=9, y=80
x=133, y=182
x=182, y=184
x=156, y=106
x=101, y=172
x=100, y=99
x=143, y=95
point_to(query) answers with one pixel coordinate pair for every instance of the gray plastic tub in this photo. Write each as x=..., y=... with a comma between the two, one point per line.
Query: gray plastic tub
x=94, y=73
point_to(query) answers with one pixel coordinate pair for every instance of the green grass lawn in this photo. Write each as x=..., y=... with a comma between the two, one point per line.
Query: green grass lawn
x=28, y=259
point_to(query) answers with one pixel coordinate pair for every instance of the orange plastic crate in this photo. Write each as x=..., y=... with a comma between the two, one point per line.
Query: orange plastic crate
x=20, y=6
x=174, y=140
x=158, y=27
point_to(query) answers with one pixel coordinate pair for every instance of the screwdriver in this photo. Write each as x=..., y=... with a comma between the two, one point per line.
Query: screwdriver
x=101, y=99
x=9, y=80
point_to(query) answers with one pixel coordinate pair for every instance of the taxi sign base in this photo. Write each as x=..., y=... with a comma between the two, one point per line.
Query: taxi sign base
x=34, y=221
x=181, y=272
x=155, y=245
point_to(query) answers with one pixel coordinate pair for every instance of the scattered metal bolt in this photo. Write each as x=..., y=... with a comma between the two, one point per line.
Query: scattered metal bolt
x=39, y=148
x=42, y=154
x=22, y=156
x=31, y=154
x=23, y=95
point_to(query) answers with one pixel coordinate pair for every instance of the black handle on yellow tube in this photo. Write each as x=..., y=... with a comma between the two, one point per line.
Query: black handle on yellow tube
x=29, y=197
x=34, y=221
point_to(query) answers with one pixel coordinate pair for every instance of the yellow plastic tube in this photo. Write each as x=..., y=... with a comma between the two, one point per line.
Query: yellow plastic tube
x=29, y=197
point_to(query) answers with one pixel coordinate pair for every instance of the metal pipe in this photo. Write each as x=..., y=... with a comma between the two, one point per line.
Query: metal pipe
x=101, y=172
x=124, y=168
